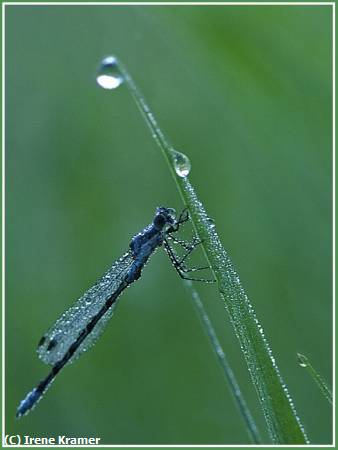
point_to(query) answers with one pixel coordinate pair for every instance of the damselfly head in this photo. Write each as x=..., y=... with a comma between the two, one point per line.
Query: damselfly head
x=164, y=216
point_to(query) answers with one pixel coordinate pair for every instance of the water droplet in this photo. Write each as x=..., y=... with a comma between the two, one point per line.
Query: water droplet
x=302, y=360
x=211, y=222
x=109, y=76
x=181, y=163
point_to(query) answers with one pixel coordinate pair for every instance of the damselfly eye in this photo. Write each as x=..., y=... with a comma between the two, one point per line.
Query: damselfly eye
x=159, y=221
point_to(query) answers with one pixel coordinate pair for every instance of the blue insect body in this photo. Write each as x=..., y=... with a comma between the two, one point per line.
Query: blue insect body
x=81, y=325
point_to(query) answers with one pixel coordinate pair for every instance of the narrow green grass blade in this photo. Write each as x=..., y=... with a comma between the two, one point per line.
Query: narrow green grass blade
x=283, y=423
x=304, y=362
x=228, y=373
x=282, y=420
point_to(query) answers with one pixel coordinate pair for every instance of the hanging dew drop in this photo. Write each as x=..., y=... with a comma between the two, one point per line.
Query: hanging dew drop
x=302, y=360
x=181, y=163
x=109, y=75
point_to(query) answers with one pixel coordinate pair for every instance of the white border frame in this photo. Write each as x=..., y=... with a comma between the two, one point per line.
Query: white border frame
x=332, y=4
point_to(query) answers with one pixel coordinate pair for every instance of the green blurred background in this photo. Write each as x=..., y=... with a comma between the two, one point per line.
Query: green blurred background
x=245, y=92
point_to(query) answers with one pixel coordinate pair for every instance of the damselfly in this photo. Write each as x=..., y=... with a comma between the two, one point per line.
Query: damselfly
x=81, y=325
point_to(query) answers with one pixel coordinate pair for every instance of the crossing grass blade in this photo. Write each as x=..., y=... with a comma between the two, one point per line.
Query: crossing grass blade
x=225, y=366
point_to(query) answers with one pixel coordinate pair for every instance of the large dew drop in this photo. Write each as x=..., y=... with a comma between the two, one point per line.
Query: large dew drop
x=109, y=76
x=181, y=163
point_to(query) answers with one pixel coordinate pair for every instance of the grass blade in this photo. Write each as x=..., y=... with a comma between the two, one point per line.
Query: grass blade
x=283, y=423
x=304, y=362
x=228, y=373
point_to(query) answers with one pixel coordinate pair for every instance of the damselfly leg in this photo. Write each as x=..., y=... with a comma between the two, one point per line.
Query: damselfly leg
x=183, y=217
x=178, y=262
